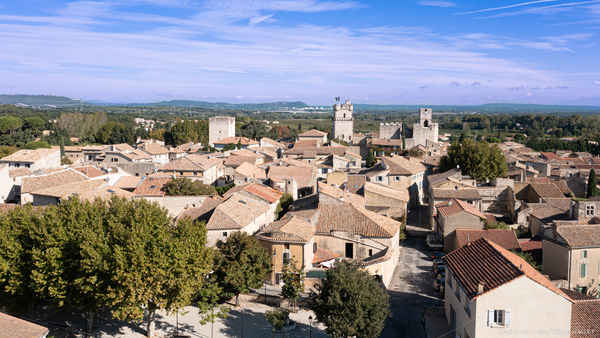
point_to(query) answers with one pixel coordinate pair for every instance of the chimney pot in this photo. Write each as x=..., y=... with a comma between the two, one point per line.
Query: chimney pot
x=480, y=287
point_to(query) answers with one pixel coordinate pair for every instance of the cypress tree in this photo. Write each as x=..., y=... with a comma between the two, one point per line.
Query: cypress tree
x=370, y=159
x=592, y=189
x=403, y=138
x=62, y=146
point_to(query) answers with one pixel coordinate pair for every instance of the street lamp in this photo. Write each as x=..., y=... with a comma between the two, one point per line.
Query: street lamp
x=310, y=321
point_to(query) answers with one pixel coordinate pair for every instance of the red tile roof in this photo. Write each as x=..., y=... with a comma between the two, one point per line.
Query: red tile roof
x=234, y=139
x=302, y=175
x=188, y=163
x=33, y=183
x=323, y=255
x=313, y=133
x=449, y=208
x=290, y=228
x=266, y=193
x=152, y=186
x=585, y=318
x=13, y=327
x=90, y=171
x=487, y=262
x=505, y=238
x=547, y=190
x=349, y=218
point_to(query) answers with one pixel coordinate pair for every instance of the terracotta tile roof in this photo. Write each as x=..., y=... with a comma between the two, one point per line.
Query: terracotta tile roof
x=204, y=212
x=152, y=186
x=90, y=171
x=302, y=175
x=546, y=190
x=287, y=162
x=189, y=147
x=313, y=133
x=73, y=148
x=561, y=203
x=246, y=153
x=347, y=217
x=95, y=148
x=466, y=194
x=585, y=318
x=449, y=208
x=487, y=262
x=19, y=172
x=538, y=180
x=235, y=139
x=128, y=182
x=123, y=147
x=562, y=186
x=266, y=193
x=26, y=155
x=290, y=228
x=577, y=236
x=398, y=165
x=134, y=155
x=305, y=144
x=550, y=156
x=437, y=179
x=505, y=238
x=13, y=327
x=188, y=163
x=250, y=170
x=273, y=142
x=235, y=161
x=105, y=193
x=534, y=246
x=323, y=255
x=354, y=183
x=8, y=207
x=236, y=213
x=69, y=189
x=33, y=183
x=547, y=213
x=339, y=194
x=154, y=149
x=384, y=190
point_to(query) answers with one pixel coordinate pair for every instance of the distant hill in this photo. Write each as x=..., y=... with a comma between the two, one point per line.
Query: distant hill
x=40, y=101
x=225, y=105
x=489, y=107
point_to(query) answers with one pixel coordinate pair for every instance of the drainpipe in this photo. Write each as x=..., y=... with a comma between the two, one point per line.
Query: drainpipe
x=569, y=276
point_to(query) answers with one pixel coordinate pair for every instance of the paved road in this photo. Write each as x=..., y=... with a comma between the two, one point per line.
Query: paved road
x=411, y=288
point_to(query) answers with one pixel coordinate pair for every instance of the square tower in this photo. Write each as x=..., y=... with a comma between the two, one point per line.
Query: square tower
x=343, y=122
x=220, y=127
x=425, y=116
x=425, y=129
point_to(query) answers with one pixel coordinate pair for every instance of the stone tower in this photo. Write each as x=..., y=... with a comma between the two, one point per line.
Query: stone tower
x=343, y=122
x=425, y=129
x=220, y=127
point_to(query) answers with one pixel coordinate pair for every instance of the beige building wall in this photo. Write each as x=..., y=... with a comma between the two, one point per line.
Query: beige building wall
x=592, y=262
x=448, y=226
x=300, y=252
x=543, y=314
x=6, y=183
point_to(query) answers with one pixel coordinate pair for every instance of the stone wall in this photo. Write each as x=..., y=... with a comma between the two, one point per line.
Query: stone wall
x=390, y=130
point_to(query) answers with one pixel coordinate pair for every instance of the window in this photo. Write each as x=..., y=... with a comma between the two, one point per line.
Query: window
x=449, y=280
x=356, y=186
x=181, y=173
x=285, y=257
x=379, y=178
x=352, y=164
x=137, y=174
x=114, y=159
x=397, y=178
x=224, y=233
x=152, y=187
x=27, y=165
x=583, y=254
x=498, y=318
x=589, y=210
x=583, y=270
x=468, y=307
x=370, y=252
x=315, y=247
x=17, y=165
x=286, y=246
x=458, y=292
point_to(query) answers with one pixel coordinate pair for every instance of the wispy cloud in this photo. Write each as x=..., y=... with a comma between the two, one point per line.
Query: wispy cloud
x=540, y=9
x=506, y=7
x=597, y=83
x=475, y=84
x=455, y=83
x=438, y=3
x=424, y=87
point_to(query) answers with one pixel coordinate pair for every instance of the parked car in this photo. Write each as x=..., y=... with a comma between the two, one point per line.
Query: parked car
x=437, y=262
x=441, y=275
x=434, y=243
x=442, y=290
x=438, y=283
x=437, y=255
x=439, y=269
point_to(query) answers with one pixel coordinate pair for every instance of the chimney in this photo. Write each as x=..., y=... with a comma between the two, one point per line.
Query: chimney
x=480, y=287
x=468, y=240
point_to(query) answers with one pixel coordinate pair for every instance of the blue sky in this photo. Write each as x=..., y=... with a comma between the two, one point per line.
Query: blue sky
x=381, y=52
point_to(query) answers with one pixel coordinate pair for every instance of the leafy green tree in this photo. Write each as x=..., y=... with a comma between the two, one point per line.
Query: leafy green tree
x=8, y=124
x=520, y=137
x=18, y=238
x=155, y=265
x=181, y=133
x=371, y=159
x=202, y=131
x=34, y=123
x=284, y=203
x=349, y=302
x=36, y=144
x=277, y=317
x=293, y=281
x=592, y=185
x=300, y=127
x=208, y=306
x=104, y=133
x=241, y=263
x=256, y=130
x=183, y=186
x=496, y=225
x=7, y=150
x=477, y=159
x=71, y=261
x=529, y=259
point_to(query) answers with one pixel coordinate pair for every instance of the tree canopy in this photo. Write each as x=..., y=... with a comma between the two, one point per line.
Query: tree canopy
x=477, y=159
x=183, y=186
x=36, y=144
x=350, y=302
x=592, y=185
x=241, y=263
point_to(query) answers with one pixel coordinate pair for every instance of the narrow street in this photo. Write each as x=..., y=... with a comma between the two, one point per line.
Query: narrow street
x=411, y=288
